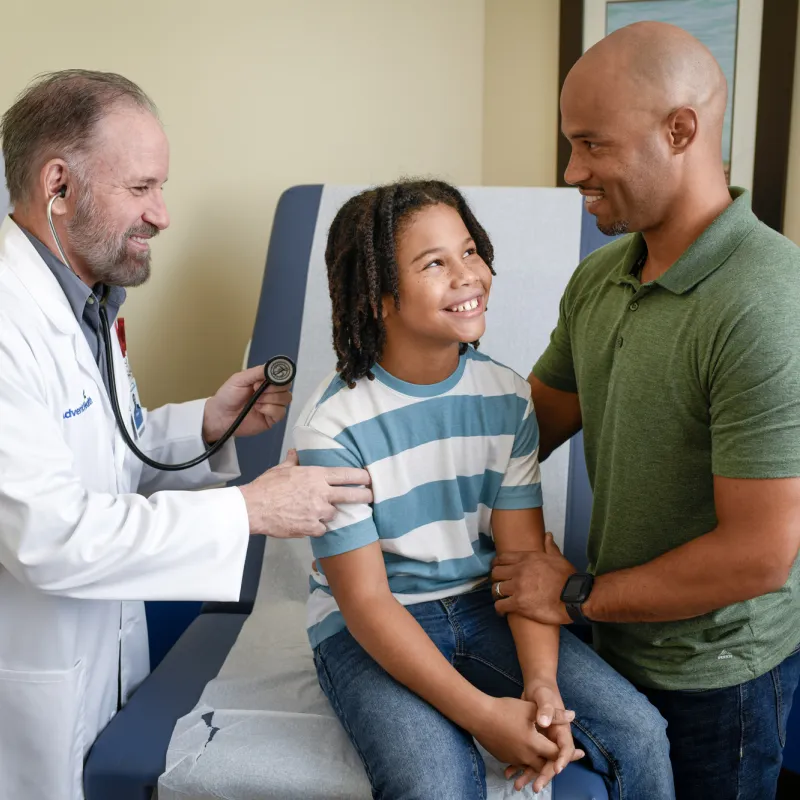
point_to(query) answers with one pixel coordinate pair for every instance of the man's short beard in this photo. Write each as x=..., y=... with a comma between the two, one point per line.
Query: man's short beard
x=615, y=228
x=105, y=253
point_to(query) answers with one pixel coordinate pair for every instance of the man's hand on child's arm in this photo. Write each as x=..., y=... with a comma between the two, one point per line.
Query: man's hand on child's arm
x=389, y=633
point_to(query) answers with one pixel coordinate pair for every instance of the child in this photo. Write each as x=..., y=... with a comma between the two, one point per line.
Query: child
x=408, y=647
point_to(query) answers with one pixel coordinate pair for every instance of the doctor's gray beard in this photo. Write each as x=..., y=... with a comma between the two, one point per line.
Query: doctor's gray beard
x=105, y=252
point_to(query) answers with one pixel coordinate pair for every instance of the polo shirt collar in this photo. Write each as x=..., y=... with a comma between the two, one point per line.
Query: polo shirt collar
x=708, y=252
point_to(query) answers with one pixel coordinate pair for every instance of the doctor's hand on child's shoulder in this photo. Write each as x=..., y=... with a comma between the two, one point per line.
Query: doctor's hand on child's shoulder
x=290, y=501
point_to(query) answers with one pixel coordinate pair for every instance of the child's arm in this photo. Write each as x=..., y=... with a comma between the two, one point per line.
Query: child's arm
x=518, y=524
x=385, y=629
x=537, y=644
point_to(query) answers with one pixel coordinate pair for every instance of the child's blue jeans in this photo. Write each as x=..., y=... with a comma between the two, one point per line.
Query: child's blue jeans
x=410, y=751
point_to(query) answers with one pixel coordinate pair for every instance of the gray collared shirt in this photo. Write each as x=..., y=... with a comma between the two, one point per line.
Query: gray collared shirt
x=84, y=302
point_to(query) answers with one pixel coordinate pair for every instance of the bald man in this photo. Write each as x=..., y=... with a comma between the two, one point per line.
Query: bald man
x=677, y=351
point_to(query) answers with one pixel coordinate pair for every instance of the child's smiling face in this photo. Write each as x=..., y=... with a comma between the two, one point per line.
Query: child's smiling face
x=443, y=283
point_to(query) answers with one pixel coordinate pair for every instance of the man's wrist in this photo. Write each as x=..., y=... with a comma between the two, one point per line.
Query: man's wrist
x=592, y=607
x=207, y=432
x=249, y=495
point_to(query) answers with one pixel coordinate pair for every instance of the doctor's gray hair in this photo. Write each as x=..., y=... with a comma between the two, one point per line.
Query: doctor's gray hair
x=56, y=117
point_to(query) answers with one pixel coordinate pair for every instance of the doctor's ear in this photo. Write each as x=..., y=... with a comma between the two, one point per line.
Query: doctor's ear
x=55, y=179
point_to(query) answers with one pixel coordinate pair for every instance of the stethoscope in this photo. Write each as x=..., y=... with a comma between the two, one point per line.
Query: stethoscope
x=278, y=371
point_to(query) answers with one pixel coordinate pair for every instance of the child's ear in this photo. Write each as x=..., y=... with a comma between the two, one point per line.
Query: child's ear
x=387, y=306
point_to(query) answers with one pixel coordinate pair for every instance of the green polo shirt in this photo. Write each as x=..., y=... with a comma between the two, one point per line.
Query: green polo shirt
x=693, y=375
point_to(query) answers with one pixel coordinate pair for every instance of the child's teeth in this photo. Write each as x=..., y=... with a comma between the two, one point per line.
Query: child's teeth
x=470, y=306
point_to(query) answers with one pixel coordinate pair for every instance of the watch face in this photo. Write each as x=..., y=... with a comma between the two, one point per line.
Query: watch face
x=576, y=589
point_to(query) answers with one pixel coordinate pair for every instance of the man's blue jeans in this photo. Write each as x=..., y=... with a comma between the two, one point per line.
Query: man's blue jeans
x=411, y=752
x=727, y=744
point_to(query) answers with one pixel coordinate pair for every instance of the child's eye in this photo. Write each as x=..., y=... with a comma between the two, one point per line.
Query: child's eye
x=470, y=251
x=436, y=263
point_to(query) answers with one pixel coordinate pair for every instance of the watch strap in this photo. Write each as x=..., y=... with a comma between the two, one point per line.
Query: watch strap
x=575, y=611
x=574, y=603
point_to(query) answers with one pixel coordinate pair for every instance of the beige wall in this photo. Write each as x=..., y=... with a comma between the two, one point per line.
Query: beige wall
x=260, y=95
x=521, y=93
x=257, y=96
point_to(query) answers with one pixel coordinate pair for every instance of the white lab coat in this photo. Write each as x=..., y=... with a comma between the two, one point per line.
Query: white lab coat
x=83, y=538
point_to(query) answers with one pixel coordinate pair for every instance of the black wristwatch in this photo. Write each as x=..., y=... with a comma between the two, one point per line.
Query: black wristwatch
x=575, y=593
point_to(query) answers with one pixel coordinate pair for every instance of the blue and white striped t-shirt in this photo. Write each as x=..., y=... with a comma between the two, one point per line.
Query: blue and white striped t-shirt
x=441, y=457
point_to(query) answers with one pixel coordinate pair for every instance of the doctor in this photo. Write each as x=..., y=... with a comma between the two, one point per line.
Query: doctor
x=87, y=532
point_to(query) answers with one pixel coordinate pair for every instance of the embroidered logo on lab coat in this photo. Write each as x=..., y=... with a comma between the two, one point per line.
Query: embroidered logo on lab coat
x=76, y=412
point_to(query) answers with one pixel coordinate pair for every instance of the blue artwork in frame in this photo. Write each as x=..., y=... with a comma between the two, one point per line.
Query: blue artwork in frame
x=713, y=22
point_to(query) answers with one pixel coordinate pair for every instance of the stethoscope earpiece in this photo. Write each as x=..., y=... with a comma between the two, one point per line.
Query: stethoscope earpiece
x=61, y=193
